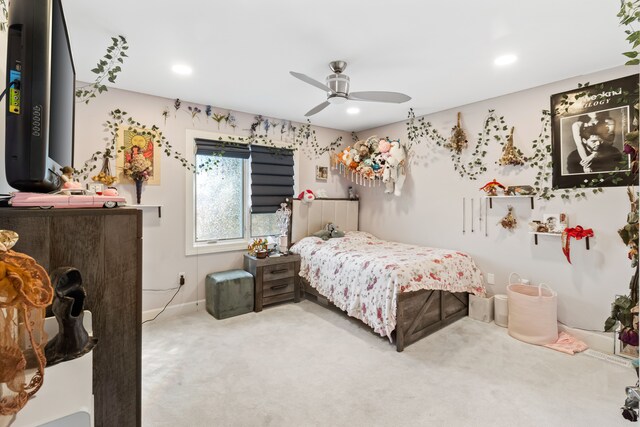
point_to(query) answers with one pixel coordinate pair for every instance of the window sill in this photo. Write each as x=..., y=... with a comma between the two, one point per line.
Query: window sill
x=209, y=248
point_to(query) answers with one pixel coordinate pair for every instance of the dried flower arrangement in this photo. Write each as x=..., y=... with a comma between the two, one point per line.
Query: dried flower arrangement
x=458, y=140
x=510, y=154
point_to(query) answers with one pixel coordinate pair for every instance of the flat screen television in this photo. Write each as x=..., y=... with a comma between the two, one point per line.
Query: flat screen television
x=41, y=103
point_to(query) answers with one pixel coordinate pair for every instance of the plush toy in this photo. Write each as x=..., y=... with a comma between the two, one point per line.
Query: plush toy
x=384, y=146
x=361, y=148
x=307, y=196
x=373, y=143
x=329, y=232
x=347, y=156
x=394, y=175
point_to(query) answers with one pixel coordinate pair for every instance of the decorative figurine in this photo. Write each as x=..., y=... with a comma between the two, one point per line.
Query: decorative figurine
x=352, y=194
x=25, y=292
x=491, y=188
x=72, y=340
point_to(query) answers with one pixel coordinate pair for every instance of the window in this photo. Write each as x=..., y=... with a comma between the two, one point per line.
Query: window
x=217, y=199
x=271, y=184
x=219, y=213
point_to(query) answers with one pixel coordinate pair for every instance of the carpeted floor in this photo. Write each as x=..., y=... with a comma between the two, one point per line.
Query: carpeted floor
x=306, y=365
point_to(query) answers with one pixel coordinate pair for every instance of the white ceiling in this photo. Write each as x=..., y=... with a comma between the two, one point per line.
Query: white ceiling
x=439, y=52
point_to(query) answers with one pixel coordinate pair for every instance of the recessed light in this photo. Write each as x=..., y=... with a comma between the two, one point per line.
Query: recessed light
x=505, y=60
x=182, y=69
x=353, y=110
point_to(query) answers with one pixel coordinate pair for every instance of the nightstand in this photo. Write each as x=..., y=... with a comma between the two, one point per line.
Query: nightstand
x=276, y=279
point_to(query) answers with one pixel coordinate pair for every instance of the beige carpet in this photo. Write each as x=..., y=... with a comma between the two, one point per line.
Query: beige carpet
x=305, y=365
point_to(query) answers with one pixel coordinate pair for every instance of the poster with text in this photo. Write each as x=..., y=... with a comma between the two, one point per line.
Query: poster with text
x=589, y=125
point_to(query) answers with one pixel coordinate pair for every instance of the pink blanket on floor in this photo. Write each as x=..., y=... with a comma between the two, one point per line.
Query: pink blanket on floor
x=568, y=344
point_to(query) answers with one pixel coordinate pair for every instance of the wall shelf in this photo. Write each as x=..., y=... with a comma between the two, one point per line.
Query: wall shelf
x=535, y=237
x=509, y=197
x=150, y=206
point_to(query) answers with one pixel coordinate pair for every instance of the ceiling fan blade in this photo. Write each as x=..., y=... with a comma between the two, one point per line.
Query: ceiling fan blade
x=317, y=109
x=309, y=80
x=380, y=96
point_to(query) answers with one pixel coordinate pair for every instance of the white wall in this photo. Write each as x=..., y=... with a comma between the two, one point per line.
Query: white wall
x=164, y=238
x=429, y=212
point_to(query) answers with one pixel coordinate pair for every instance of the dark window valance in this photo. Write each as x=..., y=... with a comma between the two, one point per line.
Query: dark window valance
x=271, y=178
x=222, y=148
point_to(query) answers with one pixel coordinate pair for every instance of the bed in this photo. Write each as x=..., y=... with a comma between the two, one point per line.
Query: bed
x=403, y=292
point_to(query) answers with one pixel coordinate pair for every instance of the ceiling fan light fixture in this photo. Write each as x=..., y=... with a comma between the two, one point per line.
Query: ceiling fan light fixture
x=337, y=98
x=182, y=69
x=503, y=60
x=353, y=110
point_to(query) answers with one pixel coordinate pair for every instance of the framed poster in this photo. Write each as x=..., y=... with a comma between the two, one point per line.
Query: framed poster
x=322, y=173
x=134, y=143
x=588, y=129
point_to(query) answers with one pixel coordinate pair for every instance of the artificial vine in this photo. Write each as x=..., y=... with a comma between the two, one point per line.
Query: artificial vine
x=108, y=67
x=121, y=118
x=630, y=13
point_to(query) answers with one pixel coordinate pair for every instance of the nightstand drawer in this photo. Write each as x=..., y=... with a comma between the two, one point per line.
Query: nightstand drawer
x=278, y=271
x=277, y=287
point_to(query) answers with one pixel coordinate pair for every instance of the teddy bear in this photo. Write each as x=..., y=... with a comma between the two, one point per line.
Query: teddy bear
x=394, y=175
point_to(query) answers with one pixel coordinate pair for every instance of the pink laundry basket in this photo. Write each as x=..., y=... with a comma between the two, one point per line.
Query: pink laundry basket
x=533, y=312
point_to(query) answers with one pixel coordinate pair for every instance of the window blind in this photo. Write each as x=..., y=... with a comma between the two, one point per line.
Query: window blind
x=222, y=148
x=271, y=178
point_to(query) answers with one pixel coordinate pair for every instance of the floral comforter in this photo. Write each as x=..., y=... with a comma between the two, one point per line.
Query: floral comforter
x=363, y=275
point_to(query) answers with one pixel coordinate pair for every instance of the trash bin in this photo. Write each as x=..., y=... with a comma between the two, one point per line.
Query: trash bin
x=481, y=308
x=501, y=310
x=533, y=312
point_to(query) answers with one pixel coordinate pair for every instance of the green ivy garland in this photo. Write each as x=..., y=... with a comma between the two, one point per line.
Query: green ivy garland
x=113, y=126
x=108, y=67
x=630, y=13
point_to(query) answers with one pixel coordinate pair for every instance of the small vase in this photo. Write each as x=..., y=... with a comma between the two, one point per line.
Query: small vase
x=138, y=190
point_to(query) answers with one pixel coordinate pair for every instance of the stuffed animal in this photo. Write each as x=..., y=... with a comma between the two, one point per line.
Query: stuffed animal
x=330, y=231
x=384, y=146
x=373, y=142
x=394, y=175
x=307, y=196
x=361, y=148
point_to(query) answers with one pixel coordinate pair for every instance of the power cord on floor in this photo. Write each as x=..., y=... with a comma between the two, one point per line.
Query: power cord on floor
x=164, y=308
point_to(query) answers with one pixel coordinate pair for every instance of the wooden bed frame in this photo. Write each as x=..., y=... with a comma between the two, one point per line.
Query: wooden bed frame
x=418, y=313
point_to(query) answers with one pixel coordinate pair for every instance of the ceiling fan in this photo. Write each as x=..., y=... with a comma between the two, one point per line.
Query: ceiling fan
x=337, y=88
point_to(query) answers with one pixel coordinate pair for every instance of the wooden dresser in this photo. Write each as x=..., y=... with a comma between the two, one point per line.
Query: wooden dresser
x=276, y=279
x=106, y=246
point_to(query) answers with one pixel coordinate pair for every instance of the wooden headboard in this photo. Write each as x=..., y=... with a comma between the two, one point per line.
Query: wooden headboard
x=307, y=218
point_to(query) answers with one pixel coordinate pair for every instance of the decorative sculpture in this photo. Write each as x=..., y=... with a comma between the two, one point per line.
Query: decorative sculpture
x=72, y=340
x=25, y=292
x=282, y=219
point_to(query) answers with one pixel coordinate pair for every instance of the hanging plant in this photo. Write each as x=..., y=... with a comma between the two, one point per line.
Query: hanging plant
x=195, y=112
x=105, y=176
x=458, y=140
x=107, y=68
x=510, y=154
x=218, y=118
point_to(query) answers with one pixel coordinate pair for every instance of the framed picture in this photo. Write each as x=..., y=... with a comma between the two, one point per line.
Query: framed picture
x=588, y=129
x=138, y=143
x=322, y=173
x=552, y=222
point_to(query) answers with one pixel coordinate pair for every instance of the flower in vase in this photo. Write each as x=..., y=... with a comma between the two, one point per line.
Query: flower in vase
x=138, y=168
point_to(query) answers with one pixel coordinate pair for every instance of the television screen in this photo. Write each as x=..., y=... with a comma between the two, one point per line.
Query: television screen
x=41, y=103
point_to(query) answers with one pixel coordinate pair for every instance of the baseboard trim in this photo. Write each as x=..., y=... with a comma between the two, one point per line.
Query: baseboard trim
x=598, y=341
x=174, y=310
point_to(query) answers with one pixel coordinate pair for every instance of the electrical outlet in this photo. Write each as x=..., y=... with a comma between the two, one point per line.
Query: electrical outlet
x=182, y=278
x=491, y=279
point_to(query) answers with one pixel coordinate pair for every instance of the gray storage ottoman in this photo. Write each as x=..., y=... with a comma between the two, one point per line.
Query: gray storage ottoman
x=229, y=293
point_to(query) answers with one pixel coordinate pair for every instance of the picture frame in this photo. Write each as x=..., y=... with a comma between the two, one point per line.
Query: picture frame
x=588, y=126
x=322, y=173
x=555, y=223
x=144, y=140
